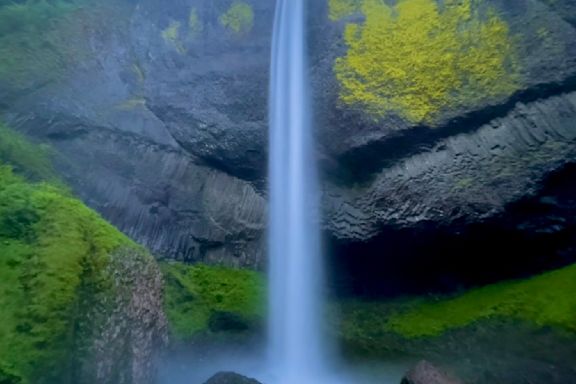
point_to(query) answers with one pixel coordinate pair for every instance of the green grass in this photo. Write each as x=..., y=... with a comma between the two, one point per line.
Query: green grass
x=547, y=300
x=195, y=292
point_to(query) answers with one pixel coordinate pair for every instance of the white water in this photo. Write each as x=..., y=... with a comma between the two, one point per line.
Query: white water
x=297, y=350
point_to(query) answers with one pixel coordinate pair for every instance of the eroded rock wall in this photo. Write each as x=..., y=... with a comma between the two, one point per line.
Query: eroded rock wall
x=159, y=114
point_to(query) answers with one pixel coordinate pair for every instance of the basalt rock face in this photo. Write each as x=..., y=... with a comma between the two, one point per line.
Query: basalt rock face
x=160, y=122
x=465, y=161
x=159, y=125
x=134, y=331
x=466, y=177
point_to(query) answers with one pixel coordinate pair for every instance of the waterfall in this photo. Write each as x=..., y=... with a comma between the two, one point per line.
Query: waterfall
x=296, y=342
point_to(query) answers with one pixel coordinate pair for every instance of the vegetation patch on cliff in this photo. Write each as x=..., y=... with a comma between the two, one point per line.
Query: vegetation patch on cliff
x=42, y=40
x=546, y=300
x=171, y=35
x=28, y=39
x=239, y=18
x=54, y=258
x=195, y=24
x=199, y=296
x=31, y=160
x=32, y=15
x=420, y=59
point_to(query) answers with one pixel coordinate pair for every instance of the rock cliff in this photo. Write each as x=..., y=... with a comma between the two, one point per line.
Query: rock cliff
x=427, y=113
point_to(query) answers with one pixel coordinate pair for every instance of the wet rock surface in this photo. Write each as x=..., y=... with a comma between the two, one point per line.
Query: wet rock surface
x=426, y=373
x=162, y=128
x=132, y=332
x=521, y=353
x=468, y=176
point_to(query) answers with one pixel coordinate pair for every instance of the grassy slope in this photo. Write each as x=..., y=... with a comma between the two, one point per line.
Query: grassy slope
x=51, y=246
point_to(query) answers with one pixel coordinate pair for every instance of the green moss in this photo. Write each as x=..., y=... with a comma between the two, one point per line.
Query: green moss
x=547, y=300
x=194, y=293
x=195, y=24
x=418, y=60
x=138, y=72
x=133, y=103
x=171, y=36
x=33, y=161
x=239, y=18
x=464, y=184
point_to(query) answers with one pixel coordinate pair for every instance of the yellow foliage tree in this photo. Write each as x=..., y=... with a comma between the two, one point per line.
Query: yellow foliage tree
x=418, y=59
x=343, y=8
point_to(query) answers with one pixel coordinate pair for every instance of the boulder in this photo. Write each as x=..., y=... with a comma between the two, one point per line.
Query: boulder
x=230, y=378
x=426, y=373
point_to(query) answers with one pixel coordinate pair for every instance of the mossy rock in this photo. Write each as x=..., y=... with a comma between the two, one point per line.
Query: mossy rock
x=495, y=333
x=202, y=299
x=55, y=268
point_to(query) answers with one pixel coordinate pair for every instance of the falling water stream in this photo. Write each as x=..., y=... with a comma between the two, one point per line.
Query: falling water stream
x=297, y=350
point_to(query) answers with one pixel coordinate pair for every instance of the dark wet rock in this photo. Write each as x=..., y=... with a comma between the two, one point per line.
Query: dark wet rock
x=426, y=373
x=468, y=176
x=221, y=321
x=211, y=92
x=565, y=8
x=230, y=378
x=494, y=351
